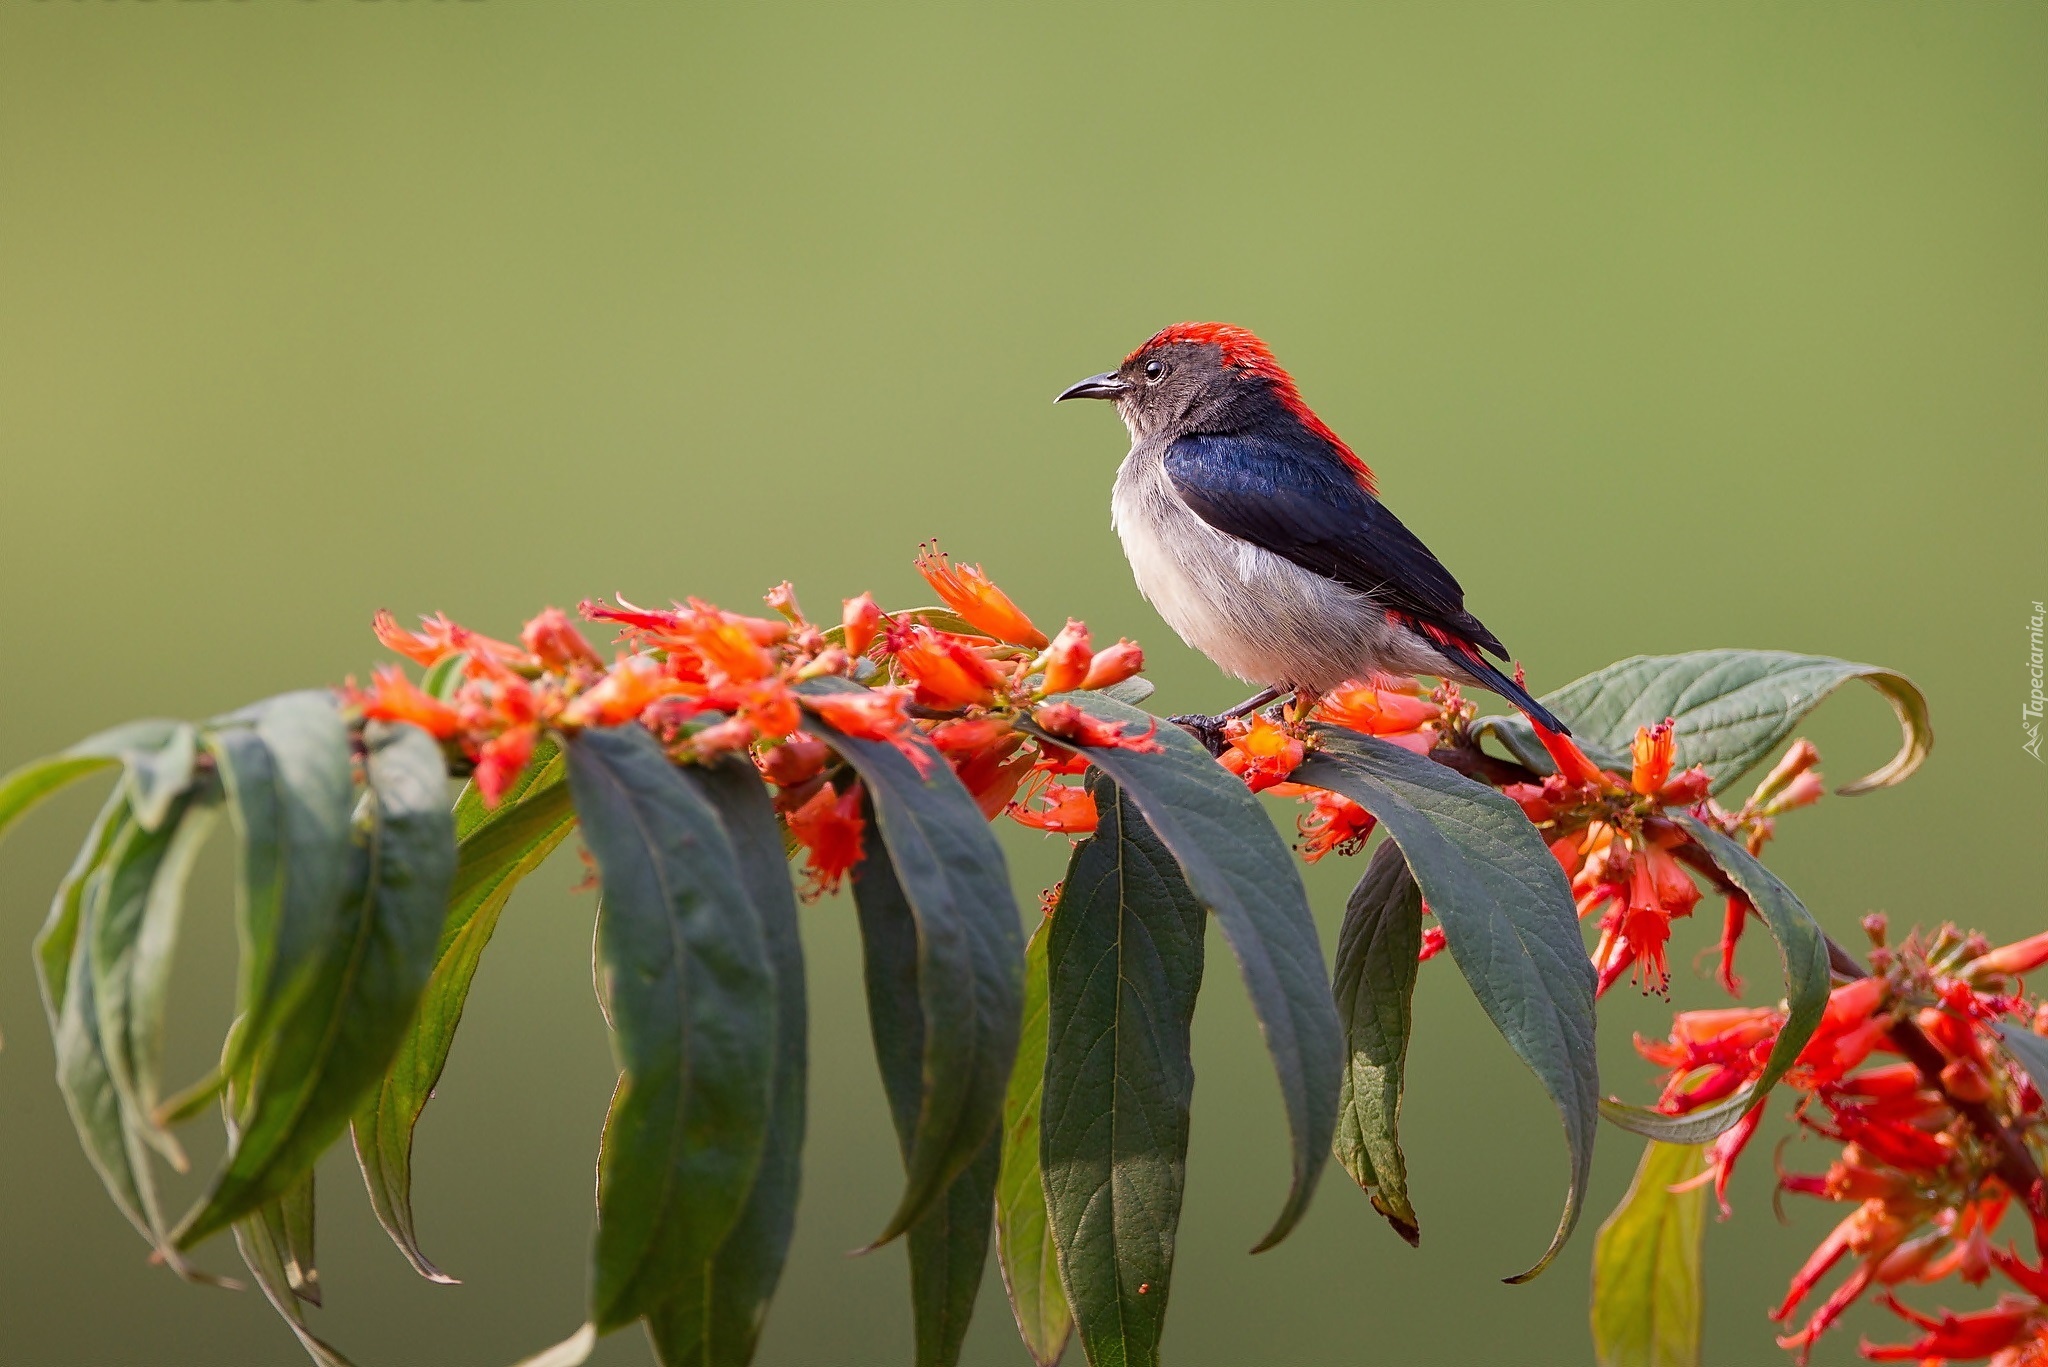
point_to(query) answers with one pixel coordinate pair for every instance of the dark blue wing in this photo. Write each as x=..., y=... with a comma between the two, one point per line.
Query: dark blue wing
x=1303, y=504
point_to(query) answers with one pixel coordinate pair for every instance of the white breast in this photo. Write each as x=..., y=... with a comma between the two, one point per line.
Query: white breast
x=1257, y=615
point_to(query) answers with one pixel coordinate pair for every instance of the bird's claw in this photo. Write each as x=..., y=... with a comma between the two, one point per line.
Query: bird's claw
x=1207, y=730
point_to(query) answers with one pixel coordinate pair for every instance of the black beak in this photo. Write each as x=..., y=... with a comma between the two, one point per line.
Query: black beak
x=1107, y=385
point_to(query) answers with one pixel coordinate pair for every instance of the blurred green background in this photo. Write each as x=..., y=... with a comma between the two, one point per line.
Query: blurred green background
x=1666, y=326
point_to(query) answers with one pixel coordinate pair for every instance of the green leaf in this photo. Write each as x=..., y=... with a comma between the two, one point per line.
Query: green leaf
x=1733, y=707
x=108, y=1128
x=285, y=765
x=1024, y=1247
x=367, y=964
x=1647, y=1292
x=32, y=782
x=1507, y=915
x=129, y=953
x=948, y=1243
x=295, y=1215
x=158, y=775
x=970, y=954
x=1124, y=964
x=2028, y=1049
x=58, y=936
x=1803, y=952
x=572, y=1351
x=715, y=1319
x=1374, y=986
x=1239, y=868
x=693, y=1022
x=265, y=1245
x=499, y=848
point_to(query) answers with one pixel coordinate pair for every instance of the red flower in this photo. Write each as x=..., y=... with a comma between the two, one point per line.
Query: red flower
x=1433, y=943
x=988, y=758
x=1071, y=724
x=1068, y=808
x=557, y=644
x=861, y=620
x=500, y=760
x=632, y=684
x=1067, y=659
x=2009, y=961
x=1261, y=752
x=1114, y=664
x=946, y=671
x=1963, y=1336
x=799, y=759
x=438, y=638
x=393, y=697
x=1337, y=825
x=969, y=593
x=871, y=714
x=1408, y=721
x=829, y=827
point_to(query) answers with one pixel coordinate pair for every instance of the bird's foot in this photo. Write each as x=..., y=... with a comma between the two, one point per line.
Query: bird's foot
x=1207, y=730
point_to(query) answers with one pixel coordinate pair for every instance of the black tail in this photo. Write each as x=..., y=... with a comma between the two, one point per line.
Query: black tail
x=1472, y=662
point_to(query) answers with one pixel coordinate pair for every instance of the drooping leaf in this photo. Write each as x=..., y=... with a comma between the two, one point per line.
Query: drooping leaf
x=134, y=931
x=970, y=954
x=1374, y=983
x=1733, y=707
x=58, y=937
x=1647, y=1287
x=1239, y=868
x=158, y=775
x=498, y=849
x=295, y=1216
x=572, y=1351
x=715, y=1319
x=24, y=787
x=109, y=1131
x=1803, y=953
x=948, y=1242
x=693, y=1022
x=366, y=968
x=1024, y=1246
x=1123, y=964
x=1507, y=915
x=264, y=1243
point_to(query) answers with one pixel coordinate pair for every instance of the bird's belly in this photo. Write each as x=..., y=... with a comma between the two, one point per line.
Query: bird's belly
x=1257, y=615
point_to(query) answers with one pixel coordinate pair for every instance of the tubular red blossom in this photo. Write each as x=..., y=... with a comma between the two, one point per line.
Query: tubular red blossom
x=1726, y=1148
x=862, y=620
x=645, y=621
x=500, y=760
x=781, y=600
x=1067, y=659
x=945, y=670
x=1831, y=1310
x=1733, y=921
x=722, y=738
x=2032, y=1280
x=427, y=647
x=1433, y=943
x=1652, y=753
x=1261, y=752
x=632, y=684
x=732, y=647
x=553, y=640
x=1375, y=711
x=871, y=714
x=393, y=697
x=1570, y=760
x=993, y=774
x=2009, y=961
x=1804, y=791
x=969, y=593
x=1076, y=727
x=1336, y=825
x=1067, y=809
x=799, y=759
x=829, y=827
x=1959, y=1336
x=1115, y=664
x=1796, y=761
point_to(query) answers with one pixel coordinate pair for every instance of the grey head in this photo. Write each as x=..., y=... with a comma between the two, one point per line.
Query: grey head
x=1192, y=377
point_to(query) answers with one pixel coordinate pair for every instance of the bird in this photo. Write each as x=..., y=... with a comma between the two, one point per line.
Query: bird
x=1261, y=539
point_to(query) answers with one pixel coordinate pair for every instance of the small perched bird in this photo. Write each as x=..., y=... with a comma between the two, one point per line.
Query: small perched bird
x=1258, y=535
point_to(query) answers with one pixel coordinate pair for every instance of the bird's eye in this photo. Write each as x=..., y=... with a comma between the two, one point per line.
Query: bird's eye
x=1153, y=369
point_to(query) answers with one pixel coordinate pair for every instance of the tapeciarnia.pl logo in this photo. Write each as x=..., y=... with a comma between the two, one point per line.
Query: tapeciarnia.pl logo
x=2030, y=711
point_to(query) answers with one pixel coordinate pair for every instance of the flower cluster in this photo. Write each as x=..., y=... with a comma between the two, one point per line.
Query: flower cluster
x=957, y=680
x=1936, y=1125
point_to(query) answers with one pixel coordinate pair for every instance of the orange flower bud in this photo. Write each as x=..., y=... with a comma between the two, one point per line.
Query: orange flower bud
x=862, y=619
x=968, y=592
x=501, y=759
x=1076, y=727
x=799, y=759
x=2010, y=961
x=872, y=714
x=1068, y=810
x=556, y=643
x=1803, y=791
x=1796, y=761
x=1112, y=666
x=782, y=599
x=1066, y=661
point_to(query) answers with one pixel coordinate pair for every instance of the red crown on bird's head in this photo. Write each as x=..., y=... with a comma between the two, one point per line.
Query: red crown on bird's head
x=1243, y=351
